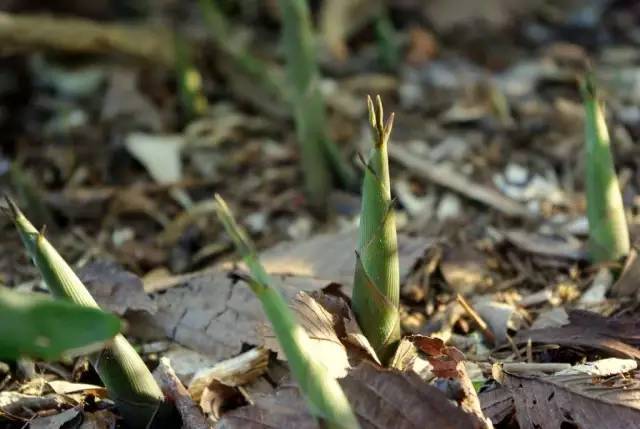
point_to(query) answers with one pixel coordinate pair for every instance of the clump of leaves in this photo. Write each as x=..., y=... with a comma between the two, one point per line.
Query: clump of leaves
x=39, y=327
x=376, y=285
x=121, y=369
x=324, y=396
x=608, y=233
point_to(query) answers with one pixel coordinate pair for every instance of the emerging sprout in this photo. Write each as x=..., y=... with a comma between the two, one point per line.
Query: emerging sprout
x=608, y=234
x=376, y=286
x=324, y=396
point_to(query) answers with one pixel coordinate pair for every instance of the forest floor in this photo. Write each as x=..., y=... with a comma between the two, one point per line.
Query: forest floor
x=487, y=170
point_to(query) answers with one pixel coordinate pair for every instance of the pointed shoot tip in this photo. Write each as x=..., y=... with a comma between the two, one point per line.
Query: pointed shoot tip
x=372, y=112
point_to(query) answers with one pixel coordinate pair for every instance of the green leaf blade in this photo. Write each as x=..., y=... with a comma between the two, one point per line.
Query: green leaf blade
x=40, y=328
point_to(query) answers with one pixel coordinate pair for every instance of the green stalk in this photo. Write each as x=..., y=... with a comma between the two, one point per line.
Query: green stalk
x=388, y=48
x=124, y=374
x=608, y=233
x=324, y=396
x=320, y=157
x=242, y=60
x=376, y=286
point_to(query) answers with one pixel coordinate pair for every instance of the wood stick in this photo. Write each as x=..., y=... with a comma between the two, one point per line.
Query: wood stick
x=26, y=33
x=457, y=182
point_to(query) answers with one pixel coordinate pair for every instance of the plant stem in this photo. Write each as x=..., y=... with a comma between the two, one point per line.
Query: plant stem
x=124, y=374
x=376, y=288
x=608, y=233
x=324, y=396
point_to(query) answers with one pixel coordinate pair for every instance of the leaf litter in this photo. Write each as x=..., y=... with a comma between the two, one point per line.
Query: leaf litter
x=486, y=168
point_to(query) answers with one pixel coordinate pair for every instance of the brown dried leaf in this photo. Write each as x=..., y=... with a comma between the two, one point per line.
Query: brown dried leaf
x=497, y=404
x=332, y=256
x=616, y=337
x=555, y=247
x=213, y=315
x=574, y=401
x=380, y=398
x=319, y=325
x=115, y=289
x=627, y=283
x=57, y=421
x=209, y=313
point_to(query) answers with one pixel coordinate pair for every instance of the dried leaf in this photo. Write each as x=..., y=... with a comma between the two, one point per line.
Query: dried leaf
x=497, y=404
x=57, y=421
x=319, y=325
x=616, y=337
x=115, y=289
x=380, y=398
x=331, y=256
x=212, y=314
x=160, y=155
x=574, y=401
x=627, y=283
x=556, y=247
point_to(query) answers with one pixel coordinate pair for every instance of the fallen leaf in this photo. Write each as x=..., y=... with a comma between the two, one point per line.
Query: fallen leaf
x=497, y=404
x=64, y=387
x=23, y=405
x=214, y=315
x=501, y=317
x=159, y=154
x=380, y=398
x=57, y=421
x=627, y=283
x=544, y=245
x=332, y=256
x=209, y=313
x=574, y=401
x=616, y=337
x=115, y=289
x=237, y=371
x=602, y=367
x=319, y=325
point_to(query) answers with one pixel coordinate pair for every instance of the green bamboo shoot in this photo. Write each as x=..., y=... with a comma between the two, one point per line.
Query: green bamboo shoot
x=376, y=287
x=608, y=233
x=124, y=374
x=324, y=396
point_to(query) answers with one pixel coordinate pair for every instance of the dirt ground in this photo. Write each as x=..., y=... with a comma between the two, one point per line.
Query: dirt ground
x=487, y=169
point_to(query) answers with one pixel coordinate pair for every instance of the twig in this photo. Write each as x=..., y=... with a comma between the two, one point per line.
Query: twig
x=450, y=179
x=526, y=367
x=25, y=33
x=192, y=417
x=488, y=335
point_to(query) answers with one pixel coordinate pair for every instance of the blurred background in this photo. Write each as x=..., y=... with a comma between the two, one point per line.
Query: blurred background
x=120, y=119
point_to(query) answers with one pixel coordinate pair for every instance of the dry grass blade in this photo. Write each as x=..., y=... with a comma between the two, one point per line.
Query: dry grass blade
x=325, y=399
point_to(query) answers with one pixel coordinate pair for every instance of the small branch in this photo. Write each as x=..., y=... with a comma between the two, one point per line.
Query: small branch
x=26, y=33
x=450, y=179
x=488, y=335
